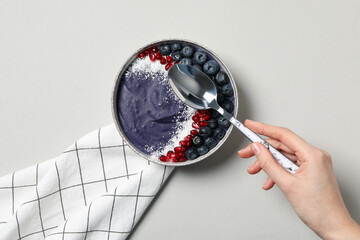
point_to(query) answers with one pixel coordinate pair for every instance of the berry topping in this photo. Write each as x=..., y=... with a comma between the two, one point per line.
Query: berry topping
x=169, y=59
x=228, y=106
x=168, y=66
x=188, y=138
x=227, y=90
x=220, y=97
x=223, y=121
x=194, y=132
x=198, y=141
x=170, y=154
x=196, y=118
x=221, y=78
x=187, y=51
x=210, y=142
x=152, y=57
x=202, y=150
x=219, y=133
x=212, y=123
x=176, y=47
x=195, y=125
x=158, y=55
x=200, y=57
x=203, y=124
x=179, y=149
x=164, y=158
x=205, y=132
x=183, y=143
x=214, y=113
x=191, y=153
x=186, y=61
x=206, y=117
x=165, y=49
x=163, y=60
x=211, y=67
x=176, y=56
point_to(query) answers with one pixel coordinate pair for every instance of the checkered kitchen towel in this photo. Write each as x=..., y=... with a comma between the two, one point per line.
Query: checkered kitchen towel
x=97, y=189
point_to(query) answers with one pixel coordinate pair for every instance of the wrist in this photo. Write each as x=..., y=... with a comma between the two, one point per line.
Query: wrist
x=347, y=232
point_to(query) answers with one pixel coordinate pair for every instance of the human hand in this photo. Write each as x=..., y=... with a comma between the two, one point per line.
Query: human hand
x=312, y=191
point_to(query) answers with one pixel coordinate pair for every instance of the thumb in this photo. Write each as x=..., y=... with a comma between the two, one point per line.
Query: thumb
x=270, y=166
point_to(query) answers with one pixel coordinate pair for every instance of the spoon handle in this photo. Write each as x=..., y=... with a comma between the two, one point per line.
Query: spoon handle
x=283, y=161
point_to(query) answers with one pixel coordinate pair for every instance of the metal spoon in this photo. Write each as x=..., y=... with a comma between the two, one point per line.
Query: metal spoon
x=198, y=91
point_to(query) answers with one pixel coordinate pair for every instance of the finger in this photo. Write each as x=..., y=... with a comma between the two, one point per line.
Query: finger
x=279, y=145
x=254, y=168
x=270, y=166
x=269, y=183
x=246, y=152
x=292, y=157
x=281, y=134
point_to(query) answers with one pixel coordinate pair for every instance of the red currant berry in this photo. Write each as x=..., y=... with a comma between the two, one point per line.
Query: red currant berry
x=154, y=49
x=195, y=125
x=188, y=138
x=182, y=159
x=202, y=124
x=164, y=158
x=196, y=118
x=179, y=155
x=178, y=149
x=147, y=51
x=199, y=113
x=152, y=57
x=158, y=55
x=188, y=144
x=194, y=132
x=141, y=55
x=169, y=59
x=163, y=61
x=170, y=154
x=182, y=143
x=174, y=159
x=206, y=117
x=168, y=66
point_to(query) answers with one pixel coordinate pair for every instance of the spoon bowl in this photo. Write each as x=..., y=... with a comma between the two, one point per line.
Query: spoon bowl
x=198, y=91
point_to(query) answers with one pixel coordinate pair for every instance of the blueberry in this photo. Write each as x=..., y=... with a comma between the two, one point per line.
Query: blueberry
x=220, y=97
x=210, y=142
x=202, y=150
x=176, y=56
x=191, y=153
x=200, y=57
x=227, y=90
x=187, y=51
x=165, y=49
x=186, y=61
x=223, y=121
x=218, y=89
x=205, y=132
x=211, y=67
x=198, y=141
x=228, y=106
x=221, y=78
x=214, y=113
x=176, y=47
x=219, y=133
x=212, y=123
x=198, y=67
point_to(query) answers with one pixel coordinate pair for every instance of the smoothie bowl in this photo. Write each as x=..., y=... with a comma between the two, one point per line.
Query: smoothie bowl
x=153, y=121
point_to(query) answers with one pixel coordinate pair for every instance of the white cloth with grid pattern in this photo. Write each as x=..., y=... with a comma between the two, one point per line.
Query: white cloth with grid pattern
x=97, y=189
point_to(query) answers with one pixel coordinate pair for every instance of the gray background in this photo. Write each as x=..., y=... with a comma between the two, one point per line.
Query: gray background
x=296, y=64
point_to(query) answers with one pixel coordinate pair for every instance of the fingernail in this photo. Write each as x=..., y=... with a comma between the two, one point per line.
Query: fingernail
x=252, y=165
x=241, y=151
x=255, y=148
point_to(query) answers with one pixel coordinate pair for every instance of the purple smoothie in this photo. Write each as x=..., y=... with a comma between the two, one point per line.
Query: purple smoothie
x=147, y=114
